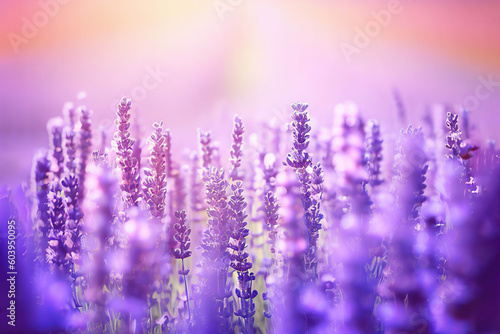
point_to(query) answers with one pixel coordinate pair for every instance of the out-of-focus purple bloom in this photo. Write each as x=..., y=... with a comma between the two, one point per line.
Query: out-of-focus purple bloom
x=98, y=207
x=408, y=282
x=300, y=161
x=55, y=130
x=473, y=297
x=85, y=136
x=58, y=252
x=459, y=149
x=206, y=148
x=155, y=182
x=236, y=152
x=41, y=185
x=410, y=167
x=182, y=232
x=374, y=154
x=70, y=184
x=271, y=215
x=348, y=144
x=127, y=163
x=168, y=153
x=216, y=252
x=239, y=257
x=400, y=107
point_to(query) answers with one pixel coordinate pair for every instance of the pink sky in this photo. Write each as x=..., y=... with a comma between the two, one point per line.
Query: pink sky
x=254, y=60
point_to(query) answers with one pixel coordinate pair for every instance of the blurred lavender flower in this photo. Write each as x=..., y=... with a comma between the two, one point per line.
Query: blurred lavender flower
x=70, y=184
x=300, y=161
x=206, y=148
x=236, y=153
x=169, y=168
x=155, y=183
x=55, y=129
x=98, y=207
x=85, y=135
x=58, y=252
x=127, y=163
x=183, y=252
x=374, y=154
x=216, y=253
x=409, y=286
x=411, y=167
x=41, y=185
x=239, y=258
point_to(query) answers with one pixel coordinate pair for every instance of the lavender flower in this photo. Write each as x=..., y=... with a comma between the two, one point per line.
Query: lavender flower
x=206, y=148
x=271, y=214
x=215, y=247
x=155, y=182
x=411, y=169
x=55, y=129
x=128, y=164
x=168, y=153
x=236, y=153
x=41, y=185
x=408, y=287
x=183, y=252
x=239, y=258
x=58, y=253
x=70, y=184
x=374, y=154
x=300, y=161
x=459, y=149
x=85, y=135
x=98, y=206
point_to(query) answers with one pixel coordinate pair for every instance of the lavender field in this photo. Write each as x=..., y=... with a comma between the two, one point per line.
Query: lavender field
x=340, y=228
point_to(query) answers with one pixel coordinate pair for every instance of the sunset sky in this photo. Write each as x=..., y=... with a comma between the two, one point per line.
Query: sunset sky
x=253, y=59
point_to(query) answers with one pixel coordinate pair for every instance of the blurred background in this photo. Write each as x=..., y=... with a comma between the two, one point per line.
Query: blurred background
x=196, y=63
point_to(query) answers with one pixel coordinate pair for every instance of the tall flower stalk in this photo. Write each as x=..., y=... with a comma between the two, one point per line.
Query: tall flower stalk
x=182, y=232
x=155, y=183
x=127, y=163
x=300, y=161
x=41, y=185
x=85, y=136
x=239, y=257
x=374, y=154
x=70, y=184
x=216, y=247
x=236, y=152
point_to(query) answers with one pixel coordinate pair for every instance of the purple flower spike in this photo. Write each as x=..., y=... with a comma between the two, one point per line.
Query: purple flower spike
x=70, y=184
x=55, y=129
x=236, y=152
x=85, y=134
x=41, y=185
x=168, y=153
x=215, y=246
x=299, y=158
x=206, y=148
x=155, y=182
x=374, y=154
x=300, y=161
x=239, y=258
x=128, y=165
x=182, y=233
x=411, y=167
